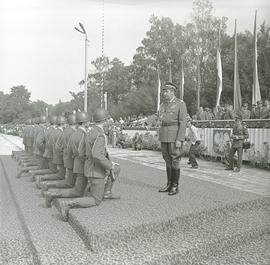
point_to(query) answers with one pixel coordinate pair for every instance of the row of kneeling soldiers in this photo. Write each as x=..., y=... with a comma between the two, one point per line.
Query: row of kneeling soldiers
x=67, y=160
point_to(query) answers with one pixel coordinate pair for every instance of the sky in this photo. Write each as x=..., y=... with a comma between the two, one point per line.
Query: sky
x=40, y=48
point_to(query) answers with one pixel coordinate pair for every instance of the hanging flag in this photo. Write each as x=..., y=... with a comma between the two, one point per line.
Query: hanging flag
x=236, y=83
x=170, y=69
x=256, y=94
x=182, y=81
x=158, y=92
x=219, y=71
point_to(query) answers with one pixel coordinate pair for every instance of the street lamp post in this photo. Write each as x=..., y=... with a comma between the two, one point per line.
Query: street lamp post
x=83, y=31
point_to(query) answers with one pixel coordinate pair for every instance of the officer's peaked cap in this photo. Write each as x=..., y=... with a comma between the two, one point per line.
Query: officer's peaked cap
x=100, y=114
x=72, y=119
x=169, y=84
x=61, y=120
x=82, y=116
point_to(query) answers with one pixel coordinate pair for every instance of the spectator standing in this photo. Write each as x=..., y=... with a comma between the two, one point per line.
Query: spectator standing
x=229, y=114
x=253, y=111
x=259, y=110
x=266, y=111
x=201, y=114
x=244, y=112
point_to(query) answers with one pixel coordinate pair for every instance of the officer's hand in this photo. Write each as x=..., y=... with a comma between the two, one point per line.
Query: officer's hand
x=178, y=144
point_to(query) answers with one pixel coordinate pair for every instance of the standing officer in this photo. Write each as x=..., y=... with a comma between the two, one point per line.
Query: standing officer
x=77, y=144
x=98, y=168
x=239, y=134
x=172, y=115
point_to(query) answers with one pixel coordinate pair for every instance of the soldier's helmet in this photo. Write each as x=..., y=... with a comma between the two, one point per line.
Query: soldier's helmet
x=42, y=119
x=100, y=114
x=82, y=117
x=53, y=119
x=72, y=119
x=61, y=120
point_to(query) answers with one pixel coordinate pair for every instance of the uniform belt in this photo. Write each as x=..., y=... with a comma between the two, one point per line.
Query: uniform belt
x=170, y=123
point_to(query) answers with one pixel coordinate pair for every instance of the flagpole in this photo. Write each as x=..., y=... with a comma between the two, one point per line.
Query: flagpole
x=256, y=94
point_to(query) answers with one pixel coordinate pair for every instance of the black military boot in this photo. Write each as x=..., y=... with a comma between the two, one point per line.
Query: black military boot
x=175, y=180
x=169, y=181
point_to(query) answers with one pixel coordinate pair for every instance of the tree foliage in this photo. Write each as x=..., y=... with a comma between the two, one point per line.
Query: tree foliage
x=132, y=89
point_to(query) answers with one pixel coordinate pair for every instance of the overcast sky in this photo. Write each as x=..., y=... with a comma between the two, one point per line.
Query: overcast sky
x=40, y=49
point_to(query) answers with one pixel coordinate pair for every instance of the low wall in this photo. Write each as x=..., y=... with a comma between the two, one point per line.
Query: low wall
x=216, y=139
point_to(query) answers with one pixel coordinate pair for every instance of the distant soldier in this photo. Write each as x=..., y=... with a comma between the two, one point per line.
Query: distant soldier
x=77, y=146
x=99, y=169
x=259, y=110
x=39, y=146
x=172, y=115
x=266, y=111
x=192, y=135
x=239, y=134
x=48, y=153
x=57, y=156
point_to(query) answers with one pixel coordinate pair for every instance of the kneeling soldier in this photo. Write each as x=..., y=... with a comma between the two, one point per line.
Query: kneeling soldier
x=99, y=169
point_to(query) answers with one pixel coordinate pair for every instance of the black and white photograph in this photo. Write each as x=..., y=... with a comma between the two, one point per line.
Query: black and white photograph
x=134, y=132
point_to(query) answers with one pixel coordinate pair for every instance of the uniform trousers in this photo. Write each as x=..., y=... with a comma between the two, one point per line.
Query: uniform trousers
x=239, y=151
x=77, y=190
x=94, y=196
x=171, y=155
x=192, y=153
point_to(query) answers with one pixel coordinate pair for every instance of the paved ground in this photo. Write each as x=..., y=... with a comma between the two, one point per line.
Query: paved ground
x=216, y=219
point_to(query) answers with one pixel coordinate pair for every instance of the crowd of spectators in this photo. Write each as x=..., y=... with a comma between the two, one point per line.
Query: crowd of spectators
x=226, y=112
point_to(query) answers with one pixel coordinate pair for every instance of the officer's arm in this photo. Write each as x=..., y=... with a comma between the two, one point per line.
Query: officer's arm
x=182, y=120
x=99, y=154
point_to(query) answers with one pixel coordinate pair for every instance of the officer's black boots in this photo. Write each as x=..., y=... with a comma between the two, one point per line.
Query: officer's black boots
x=175, y=180
x=169, y=180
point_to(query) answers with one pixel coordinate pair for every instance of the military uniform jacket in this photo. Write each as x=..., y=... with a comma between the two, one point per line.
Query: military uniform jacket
x=37, y=146
x=58, y=146
x=241, y=133
x=97, y=162
x=77, y=145
x=172, y=117
x=28, y=137
x=67, y=151
x=48, y=143
x=40, y=141
x=245, y=114
x=25, y=132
